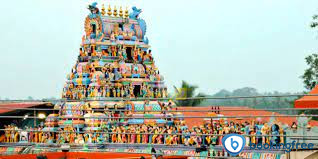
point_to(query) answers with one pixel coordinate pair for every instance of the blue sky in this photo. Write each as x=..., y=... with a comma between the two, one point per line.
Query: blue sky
x=215, y=44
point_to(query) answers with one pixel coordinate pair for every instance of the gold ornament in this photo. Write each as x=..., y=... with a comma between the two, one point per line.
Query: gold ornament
x=103, y=10
x=115, y=12
x=109, y=11
x=121, y=12
x=126, y=13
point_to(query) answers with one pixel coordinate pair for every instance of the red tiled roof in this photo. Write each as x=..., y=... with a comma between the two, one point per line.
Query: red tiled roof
x=308, y=101
x=4, y=106
x=246, y=111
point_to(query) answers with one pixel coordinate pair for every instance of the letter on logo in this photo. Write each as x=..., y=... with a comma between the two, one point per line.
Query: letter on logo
x=234, y=144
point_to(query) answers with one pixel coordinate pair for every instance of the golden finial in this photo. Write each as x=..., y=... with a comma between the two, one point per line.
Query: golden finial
x=126, y=12
x=115, y=11
x=121, y=12
x=109, y=11
x=103, y=10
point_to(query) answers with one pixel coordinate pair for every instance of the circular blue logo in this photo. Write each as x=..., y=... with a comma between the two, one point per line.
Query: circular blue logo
x=233, y=143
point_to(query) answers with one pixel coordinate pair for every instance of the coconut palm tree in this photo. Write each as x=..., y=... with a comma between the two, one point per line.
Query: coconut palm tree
x=187, y=91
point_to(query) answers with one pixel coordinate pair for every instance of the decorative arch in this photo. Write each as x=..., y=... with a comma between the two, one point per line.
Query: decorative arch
x=89, y=21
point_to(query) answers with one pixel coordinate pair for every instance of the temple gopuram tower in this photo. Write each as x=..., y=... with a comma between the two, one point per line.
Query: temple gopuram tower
x=115, y=75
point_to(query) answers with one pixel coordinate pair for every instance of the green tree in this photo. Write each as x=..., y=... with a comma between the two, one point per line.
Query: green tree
x=310, y=76
x=314, y=23
x=187, y=91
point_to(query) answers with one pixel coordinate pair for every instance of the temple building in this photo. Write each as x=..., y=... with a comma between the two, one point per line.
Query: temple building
x=115, y=100
x=115, y=76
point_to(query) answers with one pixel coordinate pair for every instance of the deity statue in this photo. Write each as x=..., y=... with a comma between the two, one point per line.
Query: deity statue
x=80, y=139
x=294, y=126
x=135, y=68
x=114, y=92
x=94, y=53
x=140, y=55
x=122, y=91
x=258, y=127
x=130, y=35
x=131, y=91
x=95, y=94
x=119, y=135
x=121, y=57
x=155, y=135
x=150, y=55
x=159, y=93
x=114, y=51
x=281, y=134
x=81, y=52
x=111, y=76
x=265, y=131
x=100, y=36
x=88, y=33
x=138, y=136
x=16, y=136
x=112, y=37
x=169, y=137
x=116, y=29
x=302, y=121
x=99, y=94
x=164, y=93
x=133, y=135
x=86, y=137
x=118, y=92
x=124, y=138
x=149, y=92
x=143, y=90
x=117, y=75
x=124, y=53
x=275, y=132
x=156, y=93
x=126, y=91
x=103, y=91
x=125, y=35
x=105, y=53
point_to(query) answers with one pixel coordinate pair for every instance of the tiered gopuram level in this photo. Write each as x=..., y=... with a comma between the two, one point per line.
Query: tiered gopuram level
x=115, y=66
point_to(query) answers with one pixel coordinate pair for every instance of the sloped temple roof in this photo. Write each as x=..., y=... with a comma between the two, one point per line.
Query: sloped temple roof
x=308, y=101
x=22, y=105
